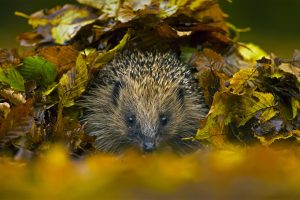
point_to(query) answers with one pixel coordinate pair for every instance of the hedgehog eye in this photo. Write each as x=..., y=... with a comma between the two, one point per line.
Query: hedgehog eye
x=163, y=120
x=131, y=120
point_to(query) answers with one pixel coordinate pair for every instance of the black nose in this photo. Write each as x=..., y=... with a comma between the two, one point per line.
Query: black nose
x=148, y=147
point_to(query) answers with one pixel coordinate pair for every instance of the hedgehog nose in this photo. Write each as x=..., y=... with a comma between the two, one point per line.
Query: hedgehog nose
x=148, y=147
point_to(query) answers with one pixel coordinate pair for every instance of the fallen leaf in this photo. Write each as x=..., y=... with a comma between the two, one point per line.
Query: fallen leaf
x=40, y=70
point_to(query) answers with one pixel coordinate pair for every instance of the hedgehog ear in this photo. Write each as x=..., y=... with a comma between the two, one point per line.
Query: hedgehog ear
x=180, y=95
x=116, y=92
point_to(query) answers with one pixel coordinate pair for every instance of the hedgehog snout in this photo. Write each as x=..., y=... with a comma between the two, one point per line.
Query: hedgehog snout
x=148, y=138
x=148, y=147
x=148, y=143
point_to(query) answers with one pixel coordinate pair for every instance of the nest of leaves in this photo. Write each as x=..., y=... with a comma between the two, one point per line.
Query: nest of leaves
x=254, y=97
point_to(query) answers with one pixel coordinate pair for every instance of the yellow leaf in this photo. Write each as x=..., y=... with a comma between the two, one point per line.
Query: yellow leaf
x=218, y=118
x=38, y=19
x=65, y=32
x=267, y=141
x=267, y=115
x=72, y=84
x=240, y=79
x=197, y=4
x=105, y=57
x=295, y=106
x=251, y=52
x=277, y=75
x=20, y=14
x=254, y=102
x=50, y=89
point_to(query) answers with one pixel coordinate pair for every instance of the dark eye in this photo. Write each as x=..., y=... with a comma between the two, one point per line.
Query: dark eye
x=163, y=120
x=131, y=120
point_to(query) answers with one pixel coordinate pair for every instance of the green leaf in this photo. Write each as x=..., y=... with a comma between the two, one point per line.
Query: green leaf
x=3, y=77
x=186, y=53
x=39, y=69
x=13, y=78
x=72, y=84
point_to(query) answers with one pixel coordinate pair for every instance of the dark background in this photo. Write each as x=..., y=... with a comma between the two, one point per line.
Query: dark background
x=275, y=24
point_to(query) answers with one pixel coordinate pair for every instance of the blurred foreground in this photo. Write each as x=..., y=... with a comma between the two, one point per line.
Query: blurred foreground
x=234, y=173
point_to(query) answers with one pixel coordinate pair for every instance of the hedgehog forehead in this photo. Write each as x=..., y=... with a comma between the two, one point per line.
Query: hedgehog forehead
x=147, y=98
x=156, y=73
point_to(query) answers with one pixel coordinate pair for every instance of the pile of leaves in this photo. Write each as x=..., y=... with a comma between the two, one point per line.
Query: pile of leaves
x=254, y=97
x=257, y=104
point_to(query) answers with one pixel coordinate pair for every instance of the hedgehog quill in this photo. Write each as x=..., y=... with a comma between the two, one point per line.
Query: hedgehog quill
x=149, y=100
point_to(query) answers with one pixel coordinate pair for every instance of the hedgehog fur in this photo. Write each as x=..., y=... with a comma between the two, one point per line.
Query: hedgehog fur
x=145, y=99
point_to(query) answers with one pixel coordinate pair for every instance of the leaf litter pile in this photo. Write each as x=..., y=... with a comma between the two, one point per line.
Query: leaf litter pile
x=252, y=131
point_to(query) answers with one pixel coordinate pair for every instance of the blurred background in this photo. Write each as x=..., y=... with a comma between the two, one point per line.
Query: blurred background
x=275, y=24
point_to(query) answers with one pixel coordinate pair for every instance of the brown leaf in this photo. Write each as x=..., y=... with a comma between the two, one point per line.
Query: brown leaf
x=126, y=13
x=9, y=56
x=209, y=65
x=18, y=123
x=296, y=58
x=64, y=57
x=166, y=31
x=30, y=39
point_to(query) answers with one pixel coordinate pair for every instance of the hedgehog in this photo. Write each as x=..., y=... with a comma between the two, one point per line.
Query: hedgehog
x=148, y=100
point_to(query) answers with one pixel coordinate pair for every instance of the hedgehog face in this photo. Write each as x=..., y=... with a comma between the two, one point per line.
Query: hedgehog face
x=147, y=135
x=151, y=116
